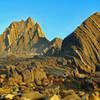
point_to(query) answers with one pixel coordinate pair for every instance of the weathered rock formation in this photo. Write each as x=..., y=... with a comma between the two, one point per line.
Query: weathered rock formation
x=23, y=36
x=82, y=47
x=54, y=47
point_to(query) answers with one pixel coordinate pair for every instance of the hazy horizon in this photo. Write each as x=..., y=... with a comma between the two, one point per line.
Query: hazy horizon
x=57, y=18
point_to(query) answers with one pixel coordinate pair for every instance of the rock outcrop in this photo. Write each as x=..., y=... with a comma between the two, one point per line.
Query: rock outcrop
x=54, y=47
x=82, y=47
x=23, y=36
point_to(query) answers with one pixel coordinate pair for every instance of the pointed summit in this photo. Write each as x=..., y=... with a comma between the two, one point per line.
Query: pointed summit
x=39, y=30
x=37, y=25
x=30, y=20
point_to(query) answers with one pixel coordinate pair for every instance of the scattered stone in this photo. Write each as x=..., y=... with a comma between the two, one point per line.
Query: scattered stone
x=32, y=95
x=94, y=96
x=85, y=96
x=39, y=76
x=8, y=96
x=72, y=97
x=69, y=95
x=50, y=90
x=55, y=97
x=1, y=80
x=3, y=76
x=81, y=93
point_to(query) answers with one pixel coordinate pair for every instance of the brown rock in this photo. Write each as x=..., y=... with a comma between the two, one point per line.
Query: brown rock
x=54, y=47
x=83, y=45
x=22, y=37
x=3, y=76
x=70, y=95
x=31, y=95
x=85, y=96
x=55, y=97
x=39, y=76
x=94, y=96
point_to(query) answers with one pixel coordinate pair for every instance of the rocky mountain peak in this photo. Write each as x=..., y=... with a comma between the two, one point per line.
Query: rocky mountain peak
x=39, y=30
x=23, y=36
x=30, y=20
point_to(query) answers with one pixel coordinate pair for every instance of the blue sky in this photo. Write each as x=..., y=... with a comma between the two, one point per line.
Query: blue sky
x=58, y=18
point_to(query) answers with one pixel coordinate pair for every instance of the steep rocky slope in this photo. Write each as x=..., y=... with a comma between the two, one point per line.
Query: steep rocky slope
x=23, y=36
x=82, y=47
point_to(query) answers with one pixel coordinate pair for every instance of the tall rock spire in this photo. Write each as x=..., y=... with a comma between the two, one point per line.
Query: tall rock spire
x=24, y=36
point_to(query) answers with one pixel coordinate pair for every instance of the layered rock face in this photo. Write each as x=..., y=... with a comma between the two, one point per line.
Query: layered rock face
x=82, y=47
x=23, y=36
